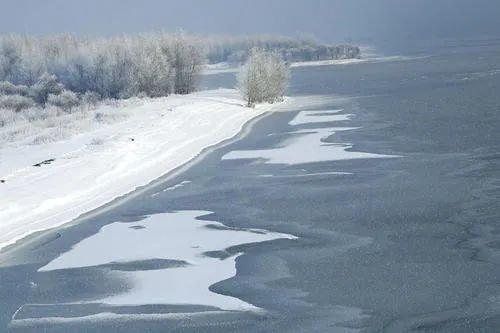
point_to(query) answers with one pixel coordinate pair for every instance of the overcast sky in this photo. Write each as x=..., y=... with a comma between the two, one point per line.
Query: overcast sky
x=330, y=20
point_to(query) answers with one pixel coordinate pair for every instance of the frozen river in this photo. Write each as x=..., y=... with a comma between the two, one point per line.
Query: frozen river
x=372, y=205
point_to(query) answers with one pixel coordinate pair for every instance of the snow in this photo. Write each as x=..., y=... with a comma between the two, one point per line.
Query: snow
x=224, y=67
x=109, y=316
x=311, y=174
x=376, y=59
x=305, y=147
x=319, y=117
x=221, y=67
x=308, y=145
x=174, y=236
x=158, y=136
x=172, y=188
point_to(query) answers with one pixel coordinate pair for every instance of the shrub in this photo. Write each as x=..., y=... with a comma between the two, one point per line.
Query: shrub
x=109, y=116
x=91, y=99
x=7, y=117
x=66, y=100
x=46, y=85
x=15, y=102
x=7, y=88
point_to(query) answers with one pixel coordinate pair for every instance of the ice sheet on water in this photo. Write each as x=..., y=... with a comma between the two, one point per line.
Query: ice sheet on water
x=173, y=236
x=305, y=147
x=307, y=117
x=309, y=145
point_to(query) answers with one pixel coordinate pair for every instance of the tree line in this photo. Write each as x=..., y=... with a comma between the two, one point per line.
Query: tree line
x=235, y=49
x=64, y=69
x=117, y=67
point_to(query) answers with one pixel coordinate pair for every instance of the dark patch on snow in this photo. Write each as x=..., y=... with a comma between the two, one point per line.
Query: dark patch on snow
x=137, y=227
x=76, y=310
x=47, y=241
x=217, y=254
x=145, y=265
x=49, y=161
x=223, y=227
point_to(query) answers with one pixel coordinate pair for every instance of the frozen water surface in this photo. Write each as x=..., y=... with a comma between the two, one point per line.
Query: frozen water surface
x=177, y=236
x=308, y=145
x=307, y=117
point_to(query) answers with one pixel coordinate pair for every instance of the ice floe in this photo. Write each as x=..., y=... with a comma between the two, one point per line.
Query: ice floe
x=180, y=236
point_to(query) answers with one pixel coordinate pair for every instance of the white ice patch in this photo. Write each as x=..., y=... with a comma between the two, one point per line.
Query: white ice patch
x=173, y=187
x=175, y=236
x=312, y=174
x=307, y=117
x=307, y=146
x=109, y=317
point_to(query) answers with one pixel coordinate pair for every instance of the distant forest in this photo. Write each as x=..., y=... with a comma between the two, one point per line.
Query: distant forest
x=235, y=50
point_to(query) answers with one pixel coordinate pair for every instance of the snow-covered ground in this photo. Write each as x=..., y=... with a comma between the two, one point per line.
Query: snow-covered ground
x=92, y=168
x=221, y=67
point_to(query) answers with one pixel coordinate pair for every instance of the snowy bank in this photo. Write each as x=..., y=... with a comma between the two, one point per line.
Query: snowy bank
x=47, y=185
x=228, y=68
x=353, y=61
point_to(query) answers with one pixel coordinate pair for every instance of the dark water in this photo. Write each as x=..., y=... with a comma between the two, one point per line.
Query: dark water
x=407, y=244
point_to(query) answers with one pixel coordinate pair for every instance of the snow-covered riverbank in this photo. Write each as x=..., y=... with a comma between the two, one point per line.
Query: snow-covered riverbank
x=47, y=185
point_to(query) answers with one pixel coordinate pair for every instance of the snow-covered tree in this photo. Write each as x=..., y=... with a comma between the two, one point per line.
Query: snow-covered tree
x=278, y=75
x=263, y=78
x=187, y=62
x=152, y=73
x=154, y=64
x=10, y=60
x=46, y=85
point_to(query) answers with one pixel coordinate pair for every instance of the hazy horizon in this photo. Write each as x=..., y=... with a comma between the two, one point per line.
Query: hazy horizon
x=329, y=20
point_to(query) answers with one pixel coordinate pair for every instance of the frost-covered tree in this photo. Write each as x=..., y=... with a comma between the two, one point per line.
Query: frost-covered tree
x=10, y=60
x=187, y=62
x=263, y=78
x=278, y=75
x=152, y=72
x=46, y=85
x=250, y=81
x=154, y=64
